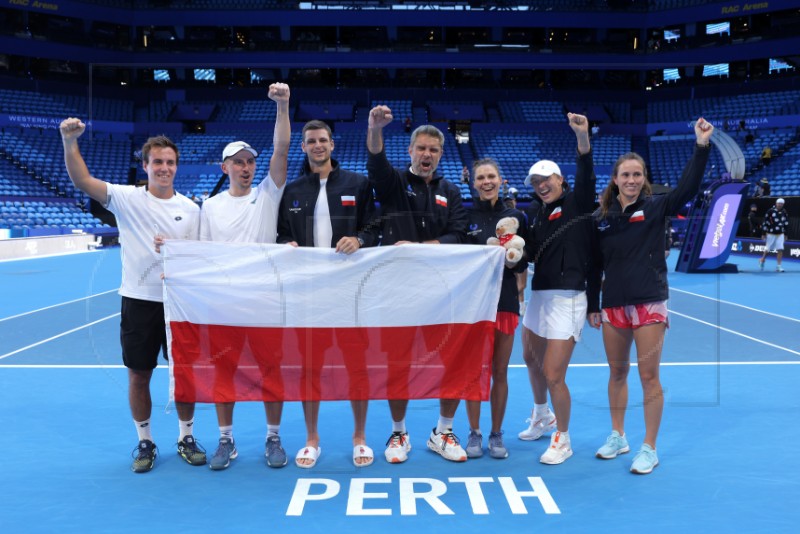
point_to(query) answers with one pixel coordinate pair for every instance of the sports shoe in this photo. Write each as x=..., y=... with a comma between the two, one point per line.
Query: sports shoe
x=645, y=460
x=474, y=445
x=446, y=444
x=558, y=451
x=273, y=450
x=761, y=264
x=191, y=451
x=539, y=426
x=397, y=448
x=615, y=444
x=226, y=451
x=144, y=456
x=779, y=269
x=496, y=447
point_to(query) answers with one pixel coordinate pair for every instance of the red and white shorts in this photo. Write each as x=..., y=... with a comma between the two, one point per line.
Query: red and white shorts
x=636, y=315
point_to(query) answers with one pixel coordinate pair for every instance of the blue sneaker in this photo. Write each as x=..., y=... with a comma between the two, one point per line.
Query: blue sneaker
x=615, y=445
x=191, y=451
x=474, y=445
x=496, y=447
x=645, y=460
x=226, y=451
x=276, y=456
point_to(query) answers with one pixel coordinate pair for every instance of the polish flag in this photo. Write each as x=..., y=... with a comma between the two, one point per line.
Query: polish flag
x=441, y=200
x=555, y=215
x=637, y=216
x=348, y=200
x=271, y=322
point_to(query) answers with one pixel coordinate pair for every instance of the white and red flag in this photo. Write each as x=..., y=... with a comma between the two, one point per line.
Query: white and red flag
x=275, y=322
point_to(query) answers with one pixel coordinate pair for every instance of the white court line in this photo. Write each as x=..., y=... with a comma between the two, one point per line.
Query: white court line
x=735, y=304
x=57, y=305
x=512, y=366
x=734, y=332
x=62, y=334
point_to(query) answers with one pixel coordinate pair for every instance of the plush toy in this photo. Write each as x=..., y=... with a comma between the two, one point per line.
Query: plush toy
x=507, y=237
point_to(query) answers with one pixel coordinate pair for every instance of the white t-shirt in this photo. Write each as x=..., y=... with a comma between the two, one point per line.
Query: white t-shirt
x=249, y=219
x=323, y=231
x=140, y=216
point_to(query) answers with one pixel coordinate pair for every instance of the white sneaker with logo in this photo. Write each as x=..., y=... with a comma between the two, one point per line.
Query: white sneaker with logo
x=539, y=426
x=558, y=451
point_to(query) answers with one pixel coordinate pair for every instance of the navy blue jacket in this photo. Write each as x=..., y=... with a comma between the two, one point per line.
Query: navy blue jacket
x=356, y=219
x=560, y=236
x=483, y=218
x=632, y=240
x=412, y=210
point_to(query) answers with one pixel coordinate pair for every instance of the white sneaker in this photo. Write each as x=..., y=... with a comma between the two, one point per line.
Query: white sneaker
x=558, y=451
x=397, y=448
x=446, y=444
x=539, y=426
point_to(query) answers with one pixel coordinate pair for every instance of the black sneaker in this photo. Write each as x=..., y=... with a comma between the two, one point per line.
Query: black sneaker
x=144, y=456
x=191, y=451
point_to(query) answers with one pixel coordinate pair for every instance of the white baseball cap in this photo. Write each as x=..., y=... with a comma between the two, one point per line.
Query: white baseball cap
x=235, y=147
x=779, y=201
x=542, y=169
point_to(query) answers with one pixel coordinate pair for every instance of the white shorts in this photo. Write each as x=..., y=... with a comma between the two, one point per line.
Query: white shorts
x=774, y=242
x=556, y=313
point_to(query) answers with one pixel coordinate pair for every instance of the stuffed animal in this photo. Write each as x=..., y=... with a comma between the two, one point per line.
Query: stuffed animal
x=507, y=237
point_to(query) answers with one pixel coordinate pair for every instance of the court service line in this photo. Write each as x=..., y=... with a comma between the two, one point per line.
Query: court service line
x=734, y=332
x=57, y=305
x=735, y=304
x=62, y=334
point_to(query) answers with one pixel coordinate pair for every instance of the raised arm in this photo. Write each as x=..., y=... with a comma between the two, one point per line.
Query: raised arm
x=693, y=172
x=71, y=129
x=379, y=117
x=282, y=136
x=580, y=125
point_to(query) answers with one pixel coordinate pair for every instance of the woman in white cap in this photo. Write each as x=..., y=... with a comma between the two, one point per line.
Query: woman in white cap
x=559, y=246
x=630, y=232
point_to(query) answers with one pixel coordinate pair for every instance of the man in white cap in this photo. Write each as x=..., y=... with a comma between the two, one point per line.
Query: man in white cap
x=250, y=215
x=776, y=222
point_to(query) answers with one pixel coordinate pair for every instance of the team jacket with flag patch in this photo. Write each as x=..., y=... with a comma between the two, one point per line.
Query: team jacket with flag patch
x=350, y=202
x=560, y=235
x=483, y=218
x=412, y=210
x=631, y=241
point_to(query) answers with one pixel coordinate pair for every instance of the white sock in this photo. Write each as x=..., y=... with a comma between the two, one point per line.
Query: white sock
x=477, y=431
x=564, y=436
x=399, y=426
x=226, y=432
x=143, y=429
x=185, y=428
x=540, y=409
x=445, y=424
x=272, y=430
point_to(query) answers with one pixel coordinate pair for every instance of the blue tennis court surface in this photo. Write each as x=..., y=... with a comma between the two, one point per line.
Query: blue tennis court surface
x=731, y=370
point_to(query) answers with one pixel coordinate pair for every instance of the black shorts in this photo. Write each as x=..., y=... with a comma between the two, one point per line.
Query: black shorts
x=142, y=333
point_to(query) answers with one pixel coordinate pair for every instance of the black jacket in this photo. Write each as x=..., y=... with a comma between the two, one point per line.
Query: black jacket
x=632, y=240
x=560, y=236
x=348, y=218
x=776, y=221
x=412, y=210
x=483, y=218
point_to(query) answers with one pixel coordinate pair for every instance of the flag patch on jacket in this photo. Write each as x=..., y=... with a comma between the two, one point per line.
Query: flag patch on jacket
x=348, y=200
x=442, y=201
x=637, y=216
x=555, y=215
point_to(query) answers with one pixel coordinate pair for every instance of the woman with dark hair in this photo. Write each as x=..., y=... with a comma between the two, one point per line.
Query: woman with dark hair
x=630, y=227
x=487, y=210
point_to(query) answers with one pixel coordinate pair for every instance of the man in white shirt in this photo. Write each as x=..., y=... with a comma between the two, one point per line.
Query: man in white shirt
x=245, y=214
x=141, y=213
